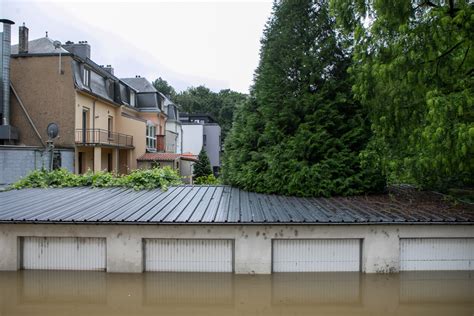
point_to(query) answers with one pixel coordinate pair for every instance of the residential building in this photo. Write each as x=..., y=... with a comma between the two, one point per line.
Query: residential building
x=174, y=131
x=101, y=118
x=151, y=105
x=200, y=130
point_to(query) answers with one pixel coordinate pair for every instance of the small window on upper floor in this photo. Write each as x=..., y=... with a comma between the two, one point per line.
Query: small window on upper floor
x=204, y=140
x=86, y=77
x=132, y=98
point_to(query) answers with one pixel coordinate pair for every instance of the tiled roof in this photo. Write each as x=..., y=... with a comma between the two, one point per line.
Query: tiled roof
x=223, y=205
x=166, y=157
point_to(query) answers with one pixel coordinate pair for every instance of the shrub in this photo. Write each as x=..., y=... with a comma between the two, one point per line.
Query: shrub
x=210, y=179
x=137, y=179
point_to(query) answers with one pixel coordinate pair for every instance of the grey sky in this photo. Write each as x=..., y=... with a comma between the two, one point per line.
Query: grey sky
x=188, y=43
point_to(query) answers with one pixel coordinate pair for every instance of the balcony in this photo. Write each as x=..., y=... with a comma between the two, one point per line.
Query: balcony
x=102, y=137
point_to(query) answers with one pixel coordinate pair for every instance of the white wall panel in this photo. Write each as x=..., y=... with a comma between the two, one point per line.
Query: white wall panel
x=188, y=255
x=426, y=254
x=63, y=253
x=316, y=255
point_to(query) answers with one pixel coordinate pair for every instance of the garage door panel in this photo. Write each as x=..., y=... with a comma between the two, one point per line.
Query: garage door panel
x=428, y=254
x=188, y=255
x=63, y=253
x=316, y=255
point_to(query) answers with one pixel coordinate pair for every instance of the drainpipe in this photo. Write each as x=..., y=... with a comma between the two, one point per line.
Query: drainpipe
x=5, y=69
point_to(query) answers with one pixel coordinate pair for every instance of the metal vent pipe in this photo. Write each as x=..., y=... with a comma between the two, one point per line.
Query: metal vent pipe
x=5, y=51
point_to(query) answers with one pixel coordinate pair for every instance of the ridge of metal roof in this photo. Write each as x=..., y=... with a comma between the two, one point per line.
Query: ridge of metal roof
x=215, y=205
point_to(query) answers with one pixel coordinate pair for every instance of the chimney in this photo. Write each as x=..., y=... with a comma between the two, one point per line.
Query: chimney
x=7, y=132
x=82, y=49
x=109, y=69
x=23, y=39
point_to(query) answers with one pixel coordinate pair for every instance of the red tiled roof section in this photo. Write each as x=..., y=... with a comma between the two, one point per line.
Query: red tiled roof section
x=166, y=157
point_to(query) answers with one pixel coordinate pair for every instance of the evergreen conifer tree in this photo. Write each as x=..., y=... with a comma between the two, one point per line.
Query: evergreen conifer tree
x=301, y=132
x=202, y=168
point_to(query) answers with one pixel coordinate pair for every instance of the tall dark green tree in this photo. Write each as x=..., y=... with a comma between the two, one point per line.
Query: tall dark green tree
x=202, y=168
x=414, y=72
x=301, y=132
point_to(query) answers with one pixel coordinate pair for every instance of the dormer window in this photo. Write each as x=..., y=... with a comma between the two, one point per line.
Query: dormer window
x=86, y=77
x=132, y=98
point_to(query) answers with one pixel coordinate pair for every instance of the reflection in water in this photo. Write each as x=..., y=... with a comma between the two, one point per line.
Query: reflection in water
x=62, y=286
x=316, y=288
x=98, y=293
x=437, y=287
x=188, y=288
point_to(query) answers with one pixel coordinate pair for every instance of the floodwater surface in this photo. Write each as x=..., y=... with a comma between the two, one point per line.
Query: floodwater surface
x=99, y=293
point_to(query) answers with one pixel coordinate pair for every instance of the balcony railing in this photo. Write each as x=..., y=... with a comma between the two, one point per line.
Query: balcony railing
x=98, y=136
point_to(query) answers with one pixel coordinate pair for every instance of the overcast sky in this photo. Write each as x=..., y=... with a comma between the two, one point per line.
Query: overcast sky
x=188, y=43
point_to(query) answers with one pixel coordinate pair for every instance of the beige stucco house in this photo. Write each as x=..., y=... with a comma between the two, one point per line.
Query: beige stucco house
x=106, y=121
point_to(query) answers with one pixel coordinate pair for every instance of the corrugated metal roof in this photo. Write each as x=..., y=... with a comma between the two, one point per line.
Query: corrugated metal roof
x=219, y=205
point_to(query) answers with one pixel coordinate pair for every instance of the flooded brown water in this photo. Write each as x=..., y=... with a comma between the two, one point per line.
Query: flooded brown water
x=98, y=293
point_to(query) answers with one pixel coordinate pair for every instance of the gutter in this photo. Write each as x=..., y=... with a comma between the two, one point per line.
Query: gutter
x=232, y=223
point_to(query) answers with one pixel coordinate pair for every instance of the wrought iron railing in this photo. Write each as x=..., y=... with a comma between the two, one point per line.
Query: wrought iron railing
x=97, y=136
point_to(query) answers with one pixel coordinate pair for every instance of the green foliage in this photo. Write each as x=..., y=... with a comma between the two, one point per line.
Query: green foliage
x=413, y=70
x=209, y=180
x=301, y=132
x=202, y=168
x=220, y=105
x=137, y=179
x=162, y=85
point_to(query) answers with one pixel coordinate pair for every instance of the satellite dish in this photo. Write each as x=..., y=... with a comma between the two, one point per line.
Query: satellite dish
x=57, y=44
x=52, y=130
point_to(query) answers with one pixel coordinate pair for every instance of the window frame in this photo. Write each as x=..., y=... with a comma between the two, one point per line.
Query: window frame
x=110, y=126
x=86, y=77
x=151, y=139
x=132, y=98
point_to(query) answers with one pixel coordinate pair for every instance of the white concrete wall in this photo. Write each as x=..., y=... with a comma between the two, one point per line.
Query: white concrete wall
x=253, y=253
x=193, y=138
x=213, y=143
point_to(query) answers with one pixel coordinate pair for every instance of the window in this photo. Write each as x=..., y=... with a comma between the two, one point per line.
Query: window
x=151, y=138
x=204, y=140
x=86, y=76
x=132, y=98
x=109, y=162
x=110, y=126
x=56, y=160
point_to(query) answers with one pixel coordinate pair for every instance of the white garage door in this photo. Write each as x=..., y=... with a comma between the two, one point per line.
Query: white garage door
x=418, y=254
x=63, y=253
x=188, y=255
x=316, y=255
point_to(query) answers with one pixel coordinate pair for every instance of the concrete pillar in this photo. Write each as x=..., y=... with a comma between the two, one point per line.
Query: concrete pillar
x=97, y=159
x=124, y=253
x=115, y=160
x=9, y=252
x=381, y=250
x=130, y=163
x=253, y=254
